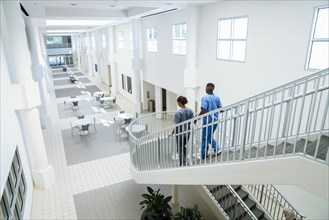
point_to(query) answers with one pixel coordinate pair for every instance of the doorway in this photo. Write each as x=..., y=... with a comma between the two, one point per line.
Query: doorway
x=164, y=99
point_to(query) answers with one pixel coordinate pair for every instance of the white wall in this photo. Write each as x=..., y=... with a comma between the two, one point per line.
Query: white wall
x=278, y=34
x=11, y=136
x=124, y=60
x=163, y=68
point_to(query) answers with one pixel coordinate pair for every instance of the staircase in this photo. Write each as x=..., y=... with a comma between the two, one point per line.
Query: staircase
x=234, y=200
x=285, y=129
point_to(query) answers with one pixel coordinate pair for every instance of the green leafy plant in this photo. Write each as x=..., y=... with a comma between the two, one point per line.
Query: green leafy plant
x=188, y=214
x=155, y=205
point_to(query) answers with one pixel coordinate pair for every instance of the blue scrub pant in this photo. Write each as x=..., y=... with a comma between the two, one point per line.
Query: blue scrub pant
x=207, y=138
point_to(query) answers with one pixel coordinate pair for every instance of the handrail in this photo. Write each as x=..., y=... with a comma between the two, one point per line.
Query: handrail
x=225, y=203
x=279, y=122
x=272, y=200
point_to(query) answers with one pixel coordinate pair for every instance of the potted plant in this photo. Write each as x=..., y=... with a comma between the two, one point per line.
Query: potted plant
x=155, y=205
x=188, y=214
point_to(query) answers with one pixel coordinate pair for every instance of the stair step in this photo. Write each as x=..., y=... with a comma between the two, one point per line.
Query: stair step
x=250, y=203
x=243, y=194
x=322, y=150
x=257, y=212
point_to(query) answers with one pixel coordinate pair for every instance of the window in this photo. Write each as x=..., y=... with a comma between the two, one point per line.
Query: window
x=129, y=84
x=232, y=39
x=317, y=57
x=152, y=39
x=131, y=40
x=179, y=39
x=54, y=40
x=13, y=198
x=121, y=43
x=93, y=43
x=123, y=79
x=103, y=41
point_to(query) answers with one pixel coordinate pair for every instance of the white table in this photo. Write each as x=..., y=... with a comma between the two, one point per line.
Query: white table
x=107, y=98
x=84, y=121
x=73, y=100
x=125, y=115
x=98, y=93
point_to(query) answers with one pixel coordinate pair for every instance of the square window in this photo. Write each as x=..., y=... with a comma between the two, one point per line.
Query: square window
x=232, y=39
x=179, y=39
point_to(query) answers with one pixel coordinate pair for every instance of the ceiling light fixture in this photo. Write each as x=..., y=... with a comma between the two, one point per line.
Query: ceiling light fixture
x=73, y=4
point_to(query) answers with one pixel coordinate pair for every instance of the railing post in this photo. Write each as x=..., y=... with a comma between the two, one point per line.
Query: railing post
x=244, y=129
x=261, y=195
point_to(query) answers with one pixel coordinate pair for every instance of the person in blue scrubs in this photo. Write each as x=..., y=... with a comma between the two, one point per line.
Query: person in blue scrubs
x=209, y=103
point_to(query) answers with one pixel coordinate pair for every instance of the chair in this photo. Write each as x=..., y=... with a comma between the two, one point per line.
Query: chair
x=121, y=111
x=74, y=128
x=127, y=121
x=75, y=105
x=84, y=129
x=114, y=101
x=80, y=116
x=67, y=105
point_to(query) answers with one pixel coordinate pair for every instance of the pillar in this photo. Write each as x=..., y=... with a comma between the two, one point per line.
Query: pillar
x=137, y=64
x=42, y=172
x=38, y=67
x=175, y=200
x=112, y=60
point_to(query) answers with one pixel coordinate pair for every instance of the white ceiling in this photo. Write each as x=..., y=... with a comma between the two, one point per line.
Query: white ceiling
x=113, y=11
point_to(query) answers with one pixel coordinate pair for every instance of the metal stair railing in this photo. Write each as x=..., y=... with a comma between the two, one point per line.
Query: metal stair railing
x=272, y=201
x=259, y=127
x=237, y=203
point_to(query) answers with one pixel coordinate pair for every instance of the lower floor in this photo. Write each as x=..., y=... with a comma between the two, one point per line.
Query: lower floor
x=92, y=174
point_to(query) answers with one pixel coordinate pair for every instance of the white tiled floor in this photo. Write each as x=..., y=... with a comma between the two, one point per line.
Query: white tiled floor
x=57, y=202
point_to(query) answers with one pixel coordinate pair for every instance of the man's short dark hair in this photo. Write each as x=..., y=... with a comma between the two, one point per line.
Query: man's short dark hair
x=210, y=85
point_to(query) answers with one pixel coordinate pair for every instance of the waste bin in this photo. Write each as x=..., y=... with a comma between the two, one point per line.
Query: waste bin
x=151, y=105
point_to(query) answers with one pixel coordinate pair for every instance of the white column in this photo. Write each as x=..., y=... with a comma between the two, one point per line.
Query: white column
x=89, y=54
x=175, y=200
x=37, y=66
x=190, y=72
x=158, y=100
x=112, y=60
x=42, y=172
x=136, y=64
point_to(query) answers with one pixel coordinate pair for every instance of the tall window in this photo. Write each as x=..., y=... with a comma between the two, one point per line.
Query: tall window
x=317, y=57
x=152, y=39
x=232, y=39
x=104, y=41
x=179, y=39
x=121, y=43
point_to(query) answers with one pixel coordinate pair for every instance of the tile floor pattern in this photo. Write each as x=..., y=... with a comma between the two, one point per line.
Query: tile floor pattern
x=87, y=106
x=63, y=199
x=66, y=75
x=67, y=81
x=75, y=91
x=100, y=143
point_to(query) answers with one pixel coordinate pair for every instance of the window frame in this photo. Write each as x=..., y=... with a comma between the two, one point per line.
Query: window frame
x=152, y=42
x=312, y=39
x=180, y=39
x=231, y=40
x=121, y=41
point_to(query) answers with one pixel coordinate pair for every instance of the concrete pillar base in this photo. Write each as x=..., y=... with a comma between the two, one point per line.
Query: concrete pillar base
x=44, y=179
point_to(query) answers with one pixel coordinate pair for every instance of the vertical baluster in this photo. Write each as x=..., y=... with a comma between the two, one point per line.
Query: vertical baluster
x=300, y=114
x=279, y=121
x=311, y=111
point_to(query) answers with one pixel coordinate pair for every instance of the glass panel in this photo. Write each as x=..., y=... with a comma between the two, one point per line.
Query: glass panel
x=321, y=28
x=319, y=55
x=148, y=33
x=183, y=47
x=224, y=29
x=123, y=81
x=155, y=33
x=9, y=192
x=176, y=46
x=176, y=31
x=184, y=31
x=129, y=84
x=239, y=50
x=3, y=210
x=223, y=50
x=13, y=174
x=240, y=28
x=22, y=185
